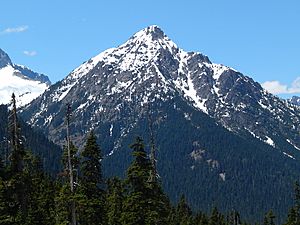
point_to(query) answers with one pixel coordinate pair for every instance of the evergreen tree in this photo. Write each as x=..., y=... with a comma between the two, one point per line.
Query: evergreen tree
x=90, y=196
x=145, y=202
x=269, y=218
x=74, y=159
x=200, y=219
x=216, y=218
x=40, y=191
x=183, y=213
x=64, y=198
x=115, y=199
x=292, y=217
x=294, y=212
x=16, y=141
x=5, y=218
x=234, y=218
x=135, y=204
x=16, y=188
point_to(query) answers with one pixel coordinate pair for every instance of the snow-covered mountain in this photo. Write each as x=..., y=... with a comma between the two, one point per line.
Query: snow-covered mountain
x=149, y=65
x=26, y=84
x=216, y=129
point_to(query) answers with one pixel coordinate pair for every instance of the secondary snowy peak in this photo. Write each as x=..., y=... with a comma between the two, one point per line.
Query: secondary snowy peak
x=18, y=79
x=25, y=89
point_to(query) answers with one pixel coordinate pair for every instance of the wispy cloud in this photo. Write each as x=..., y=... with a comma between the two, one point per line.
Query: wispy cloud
x=10, y=30
x=30, y=53
x=275, y=87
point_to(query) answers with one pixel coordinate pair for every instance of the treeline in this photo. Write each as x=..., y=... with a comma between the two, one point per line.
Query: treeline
x=80, y=194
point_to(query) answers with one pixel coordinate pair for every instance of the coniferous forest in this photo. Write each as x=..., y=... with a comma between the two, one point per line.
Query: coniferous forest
x=79, y=194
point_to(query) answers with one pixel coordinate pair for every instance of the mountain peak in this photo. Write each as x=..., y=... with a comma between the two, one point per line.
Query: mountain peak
x=152, y=35
x=153, y=31
x=4, y=59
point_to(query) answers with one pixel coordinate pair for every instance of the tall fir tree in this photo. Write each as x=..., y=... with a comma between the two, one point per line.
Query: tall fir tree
x=145, y=202
x=16, y=185
x=90, y=194
x=135, y=204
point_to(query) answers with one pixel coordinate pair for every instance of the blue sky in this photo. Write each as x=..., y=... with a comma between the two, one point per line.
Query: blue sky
x=261, y=39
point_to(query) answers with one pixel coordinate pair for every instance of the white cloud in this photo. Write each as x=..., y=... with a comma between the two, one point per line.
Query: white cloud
x=30, y=53
x=275, y=87
x=14, y=30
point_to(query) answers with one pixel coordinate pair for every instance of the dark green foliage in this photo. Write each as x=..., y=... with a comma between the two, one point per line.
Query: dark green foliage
x=5, y=218
x=90, y=196
x=74, y=158
x=114, y=201
x=40, y=193
x=201, y=219
x=292, y=217
x=145, y=202
x=36, y=141
x=135, y=204
x=234, y=218
x=254, y=171
x=90, y=166
x=216, y=218
x=34, y=203
x=64, y=197
x=182, y=215
x=29, y=197
x=269, y=218
x=294, y=212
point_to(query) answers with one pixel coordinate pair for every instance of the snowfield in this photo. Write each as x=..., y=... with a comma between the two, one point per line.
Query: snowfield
x=25, y=89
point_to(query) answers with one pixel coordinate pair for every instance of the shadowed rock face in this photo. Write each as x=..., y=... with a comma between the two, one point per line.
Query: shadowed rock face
x=295, y=100
x=4, y=59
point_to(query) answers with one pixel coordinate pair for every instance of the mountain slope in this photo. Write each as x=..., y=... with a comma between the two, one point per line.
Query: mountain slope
x=220, y=135
x=25, y=83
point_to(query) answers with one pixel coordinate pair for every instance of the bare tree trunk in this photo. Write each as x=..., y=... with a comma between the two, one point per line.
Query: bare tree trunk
x=73, y=209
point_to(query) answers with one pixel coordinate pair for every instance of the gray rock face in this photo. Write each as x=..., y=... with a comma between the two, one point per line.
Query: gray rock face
x=4, y=59
x=295, y=100
x=32, y=75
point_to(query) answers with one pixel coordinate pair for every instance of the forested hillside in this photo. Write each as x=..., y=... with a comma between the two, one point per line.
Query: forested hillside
x=48, y=152
x=80, y=194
